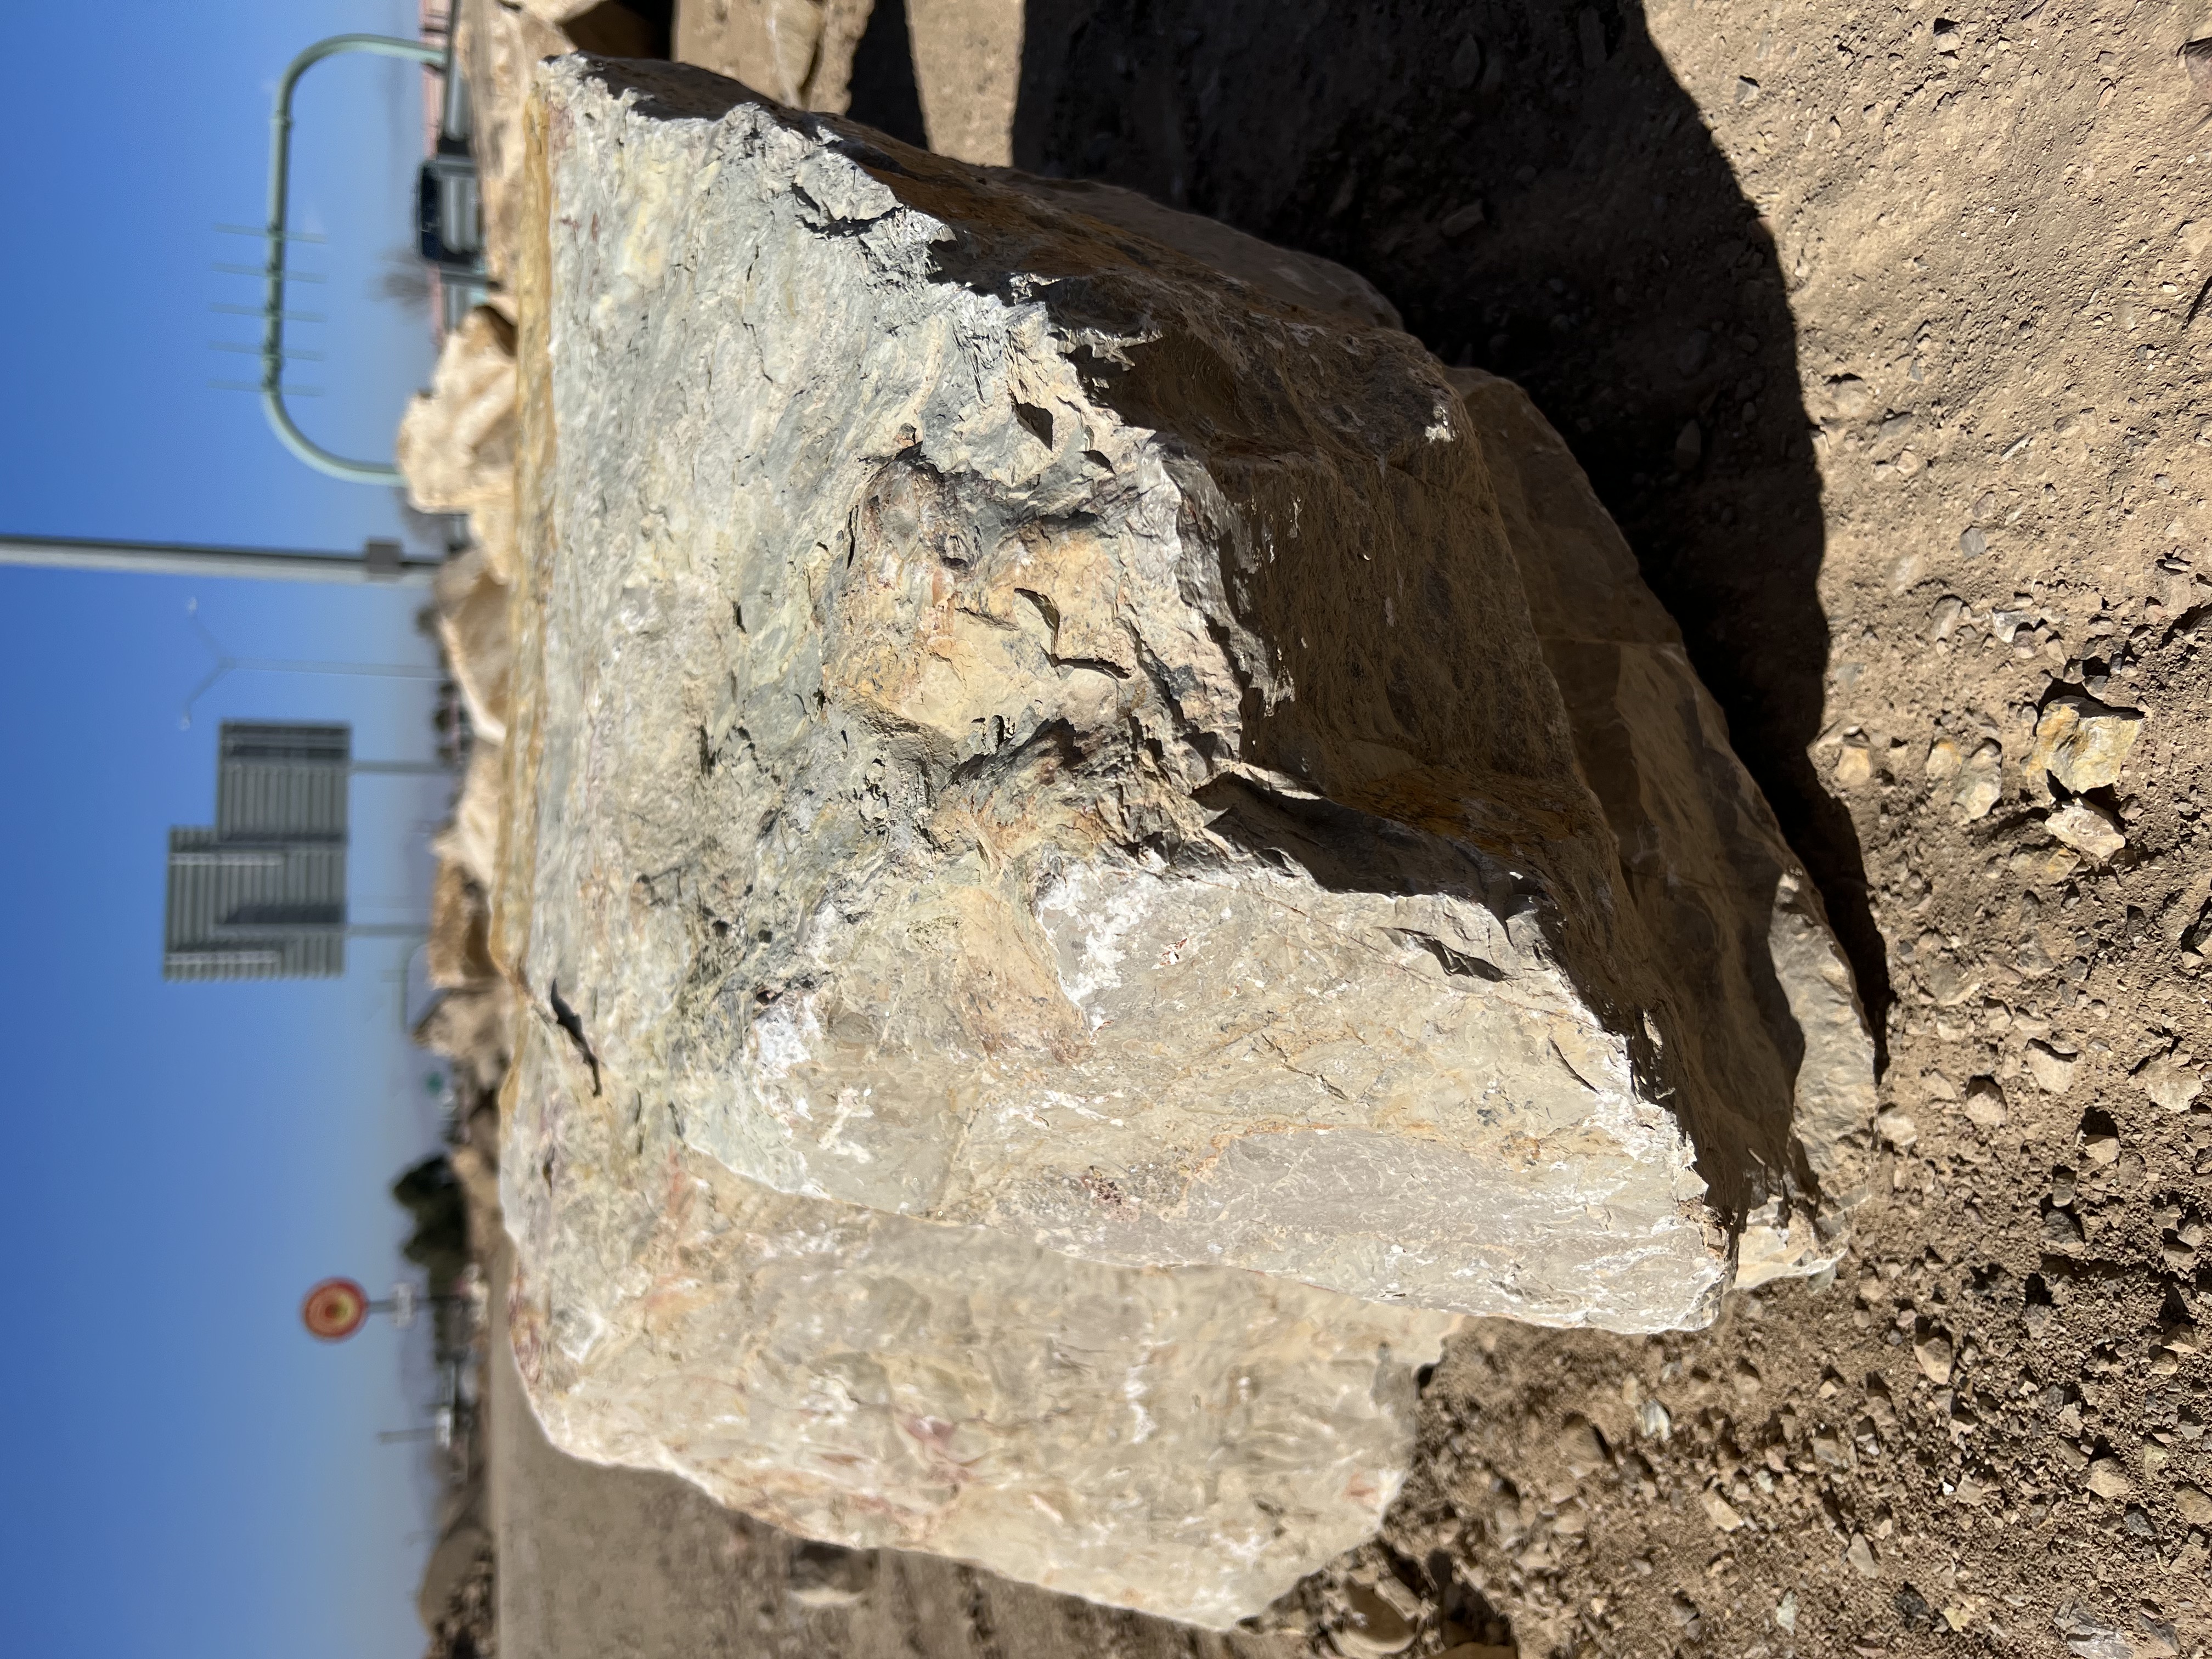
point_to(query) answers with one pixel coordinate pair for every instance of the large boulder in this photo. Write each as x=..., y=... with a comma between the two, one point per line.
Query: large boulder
x=1034, y=773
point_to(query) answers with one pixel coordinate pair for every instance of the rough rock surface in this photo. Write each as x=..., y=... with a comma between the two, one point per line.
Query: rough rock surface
x=455, y=444
x=1702, y=859
x=1316, y=284
x=1659, y=246
x=1081, y=683
x=1191, y=1443
x=500, y=46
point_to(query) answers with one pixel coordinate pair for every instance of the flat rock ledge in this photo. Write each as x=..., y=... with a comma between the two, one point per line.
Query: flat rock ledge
x=1093, y=852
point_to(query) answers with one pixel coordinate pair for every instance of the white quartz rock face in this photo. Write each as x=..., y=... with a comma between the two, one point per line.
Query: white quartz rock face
x=1040, y=736
x=1190, y=1441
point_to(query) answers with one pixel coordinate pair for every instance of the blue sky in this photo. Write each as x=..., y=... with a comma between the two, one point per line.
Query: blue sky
x=188, y=1474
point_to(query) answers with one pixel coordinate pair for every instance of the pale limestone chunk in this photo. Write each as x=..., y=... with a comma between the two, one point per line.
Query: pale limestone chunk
x=2088, y=829
x=472, y=627
x=456, y=446
x=1980, y=781
x=2170, y=1083
x=2052, y=1069
x=2082, y=743
x=987, y=793
x=499, y=46
x=1855, y=765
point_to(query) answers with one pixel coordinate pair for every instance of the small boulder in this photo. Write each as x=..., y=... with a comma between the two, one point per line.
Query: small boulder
x=2082, y=743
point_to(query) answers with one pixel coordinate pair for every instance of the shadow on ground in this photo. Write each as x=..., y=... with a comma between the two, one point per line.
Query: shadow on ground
x=1531, y=187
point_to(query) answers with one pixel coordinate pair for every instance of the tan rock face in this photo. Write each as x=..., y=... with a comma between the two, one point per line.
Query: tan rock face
x=471, y=840
x=500, y=46
x=967, y=69
x=1300, y=278
x=798, y=51
x=472, y=626
x=1038, y=765
x=458, y=953
x=1701, y=859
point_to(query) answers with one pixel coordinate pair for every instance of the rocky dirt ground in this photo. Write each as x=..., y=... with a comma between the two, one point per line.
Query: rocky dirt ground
x=1876, y=327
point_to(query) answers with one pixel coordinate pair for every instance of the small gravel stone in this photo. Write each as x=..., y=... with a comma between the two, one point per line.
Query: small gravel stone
x=2082, y=743
x=1465, y=219
x=2088, y=829
x=2170, y=1084
x=1932, y=1352
x=2090, y=1636
x=2107, y=1478
x=1980, y=781
x=2197, y=62
x=1373, y=1629
x=2052, y=1069
x=1985, y=1103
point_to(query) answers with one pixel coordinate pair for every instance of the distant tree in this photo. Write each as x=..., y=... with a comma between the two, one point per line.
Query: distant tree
x=439, y=1245
x=404, y=280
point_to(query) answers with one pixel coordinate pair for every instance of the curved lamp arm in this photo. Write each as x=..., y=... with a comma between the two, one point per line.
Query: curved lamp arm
x=272, y=311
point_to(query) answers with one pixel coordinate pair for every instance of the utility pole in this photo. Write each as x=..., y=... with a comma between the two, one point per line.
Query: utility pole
x=378, y=560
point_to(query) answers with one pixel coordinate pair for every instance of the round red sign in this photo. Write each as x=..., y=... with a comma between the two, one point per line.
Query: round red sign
x=334, y=1309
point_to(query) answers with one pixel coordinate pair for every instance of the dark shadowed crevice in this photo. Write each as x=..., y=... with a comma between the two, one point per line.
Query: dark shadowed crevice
x=625, y=28
x=884, y=91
